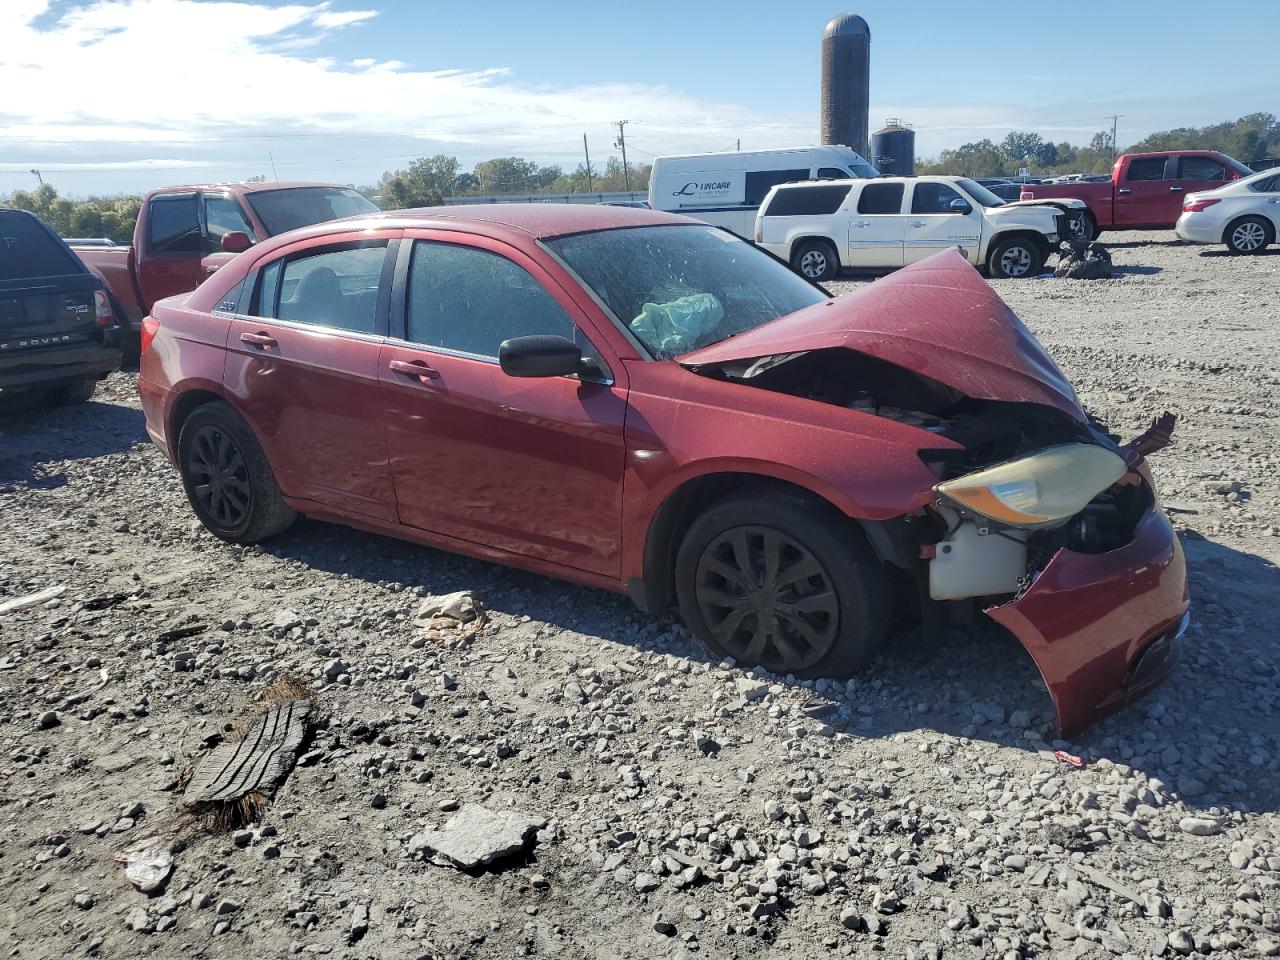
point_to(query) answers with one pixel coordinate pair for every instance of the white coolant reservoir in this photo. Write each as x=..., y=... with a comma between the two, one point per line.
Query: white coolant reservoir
x=973, y=564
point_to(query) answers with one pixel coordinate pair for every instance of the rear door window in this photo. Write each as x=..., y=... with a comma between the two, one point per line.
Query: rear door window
x=1201, y=168
x=1146, y=168
x=29, y=251
x=807, y=201
x=761, y=181
x=881, y=198
x=336, y=288
x=175, y=225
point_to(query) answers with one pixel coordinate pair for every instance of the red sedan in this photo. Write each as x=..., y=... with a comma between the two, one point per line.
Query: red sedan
x=642, y=402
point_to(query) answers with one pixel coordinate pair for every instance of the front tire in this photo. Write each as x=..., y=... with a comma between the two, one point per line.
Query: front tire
x=816, y=260
x=1015, y=258
x=1089, y=227
x=1249, y=235
x=784, y=582
x=227, y=478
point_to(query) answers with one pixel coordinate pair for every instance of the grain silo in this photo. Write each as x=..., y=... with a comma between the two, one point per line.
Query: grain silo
x=893, y=149
x=846, y=66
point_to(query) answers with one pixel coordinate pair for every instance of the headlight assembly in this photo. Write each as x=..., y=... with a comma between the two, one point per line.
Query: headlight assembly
x=1042, y=490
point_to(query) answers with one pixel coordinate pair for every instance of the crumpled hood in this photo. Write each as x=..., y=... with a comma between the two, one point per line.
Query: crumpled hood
x=1067, y=203
x=937, y=317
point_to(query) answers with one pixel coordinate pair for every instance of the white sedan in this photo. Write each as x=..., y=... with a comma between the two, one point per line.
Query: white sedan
x=1243, y=214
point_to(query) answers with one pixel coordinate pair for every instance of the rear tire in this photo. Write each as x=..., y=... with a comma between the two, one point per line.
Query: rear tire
x=79, y=392
x=1249, y=235
x=1016, y=258
x=227, y=478
x=816, y=260
x=778, y=580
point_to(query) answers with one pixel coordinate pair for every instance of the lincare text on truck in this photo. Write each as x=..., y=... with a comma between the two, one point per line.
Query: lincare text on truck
x=726, y=189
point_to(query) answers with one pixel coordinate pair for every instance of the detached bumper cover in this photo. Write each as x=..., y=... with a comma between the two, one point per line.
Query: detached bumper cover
x=1104, y=628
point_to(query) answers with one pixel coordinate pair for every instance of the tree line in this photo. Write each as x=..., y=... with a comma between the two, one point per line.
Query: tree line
x=428, y=180
x=1252, y=137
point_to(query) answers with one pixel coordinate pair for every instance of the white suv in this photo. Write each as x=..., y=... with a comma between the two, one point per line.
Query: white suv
x=892, y=221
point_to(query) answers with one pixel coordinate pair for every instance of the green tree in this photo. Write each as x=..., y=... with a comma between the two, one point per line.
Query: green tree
x=424, y=183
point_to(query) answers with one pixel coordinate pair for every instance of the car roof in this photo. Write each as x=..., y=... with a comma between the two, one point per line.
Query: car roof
x=537, y=220
x=255, y=186
x=802, y=184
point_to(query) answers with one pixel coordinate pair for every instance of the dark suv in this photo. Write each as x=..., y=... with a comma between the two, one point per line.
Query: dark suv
x=57, y=330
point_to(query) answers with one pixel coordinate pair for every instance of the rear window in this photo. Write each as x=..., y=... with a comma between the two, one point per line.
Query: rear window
x=881, y=198
x=29, y=251
x=284, y=210
x=1146, y=168
x=807, y=201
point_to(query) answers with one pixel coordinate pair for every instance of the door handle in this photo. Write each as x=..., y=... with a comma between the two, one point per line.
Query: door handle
x=1175, y=189
x=916, y=223
x=1124, y=190
x=262, y=340
x=862, y=223
x=417, y=369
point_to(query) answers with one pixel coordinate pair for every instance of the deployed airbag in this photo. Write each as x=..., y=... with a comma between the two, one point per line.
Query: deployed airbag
x=674, y=327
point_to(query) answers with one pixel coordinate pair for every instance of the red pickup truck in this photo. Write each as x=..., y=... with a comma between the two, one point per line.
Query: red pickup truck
x=186, y=233
x=1146, y=189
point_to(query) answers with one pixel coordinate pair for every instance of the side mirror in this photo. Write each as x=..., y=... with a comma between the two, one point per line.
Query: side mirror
x=961, y=207
x=540, y=356
x=236, y=242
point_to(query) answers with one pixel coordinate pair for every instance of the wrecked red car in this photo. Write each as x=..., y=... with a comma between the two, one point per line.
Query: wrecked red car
x=641, y=402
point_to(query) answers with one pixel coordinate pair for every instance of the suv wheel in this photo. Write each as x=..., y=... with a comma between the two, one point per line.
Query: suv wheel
x=227, y=478
x=775, y=580
x=1015, y=258
x=1249, y=235
x=815, y=260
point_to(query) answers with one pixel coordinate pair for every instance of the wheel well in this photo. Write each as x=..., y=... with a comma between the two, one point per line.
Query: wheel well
x=657, y=591
x=1036, y=238
x=810, y=238
x=1267, y=227
x=183, y=407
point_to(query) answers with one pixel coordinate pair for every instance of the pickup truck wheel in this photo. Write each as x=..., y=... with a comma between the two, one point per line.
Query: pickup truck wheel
x=79, y=392
x=778, y=581
x=1014, y=258
x=815, y=260
x=1249, y=235
x=227, y=478
x=1087, y=227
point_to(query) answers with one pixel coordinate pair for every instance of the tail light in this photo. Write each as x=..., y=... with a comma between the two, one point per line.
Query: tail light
x=1196, y=204
x=150, y=327
x=102, y=313
x=1025, y=194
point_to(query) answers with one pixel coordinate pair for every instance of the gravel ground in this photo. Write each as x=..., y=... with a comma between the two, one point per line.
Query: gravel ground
x=685, y=806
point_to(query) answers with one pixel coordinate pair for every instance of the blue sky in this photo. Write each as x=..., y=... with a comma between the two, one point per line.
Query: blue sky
x=110, y=98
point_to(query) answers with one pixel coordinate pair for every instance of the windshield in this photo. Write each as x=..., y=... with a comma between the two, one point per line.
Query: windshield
x=1239, y=167
x=293, y=207
x=862, y=170
x=679, y=288
x=980, y=193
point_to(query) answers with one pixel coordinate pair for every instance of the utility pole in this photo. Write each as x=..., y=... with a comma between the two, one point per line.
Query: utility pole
x=38, y=177
x=1115, y=117
x=586, y=153
x=621, y=142
x=739, y=147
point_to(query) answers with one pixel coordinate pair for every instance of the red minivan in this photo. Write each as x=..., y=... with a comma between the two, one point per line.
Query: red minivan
x=646, y=403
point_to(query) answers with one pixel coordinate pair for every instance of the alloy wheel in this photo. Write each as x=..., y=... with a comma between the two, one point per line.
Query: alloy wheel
x=813, y=264
x=219, y=477
x=767, y=599
x=1016, y=262
x=1248, y=237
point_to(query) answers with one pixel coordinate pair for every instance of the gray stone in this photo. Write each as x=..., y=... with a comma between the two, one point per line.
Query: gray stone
x=476, y=836
x=1199, y=826
x=138, y=921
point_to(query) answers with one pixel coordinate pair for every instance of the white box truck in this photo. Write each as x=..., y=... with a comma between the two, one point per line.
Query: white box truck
x=726, y=189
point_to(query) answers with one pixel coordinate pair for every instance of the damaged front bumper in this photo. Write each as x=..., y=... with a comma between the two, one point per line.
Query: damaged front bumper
x=1103, y=628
